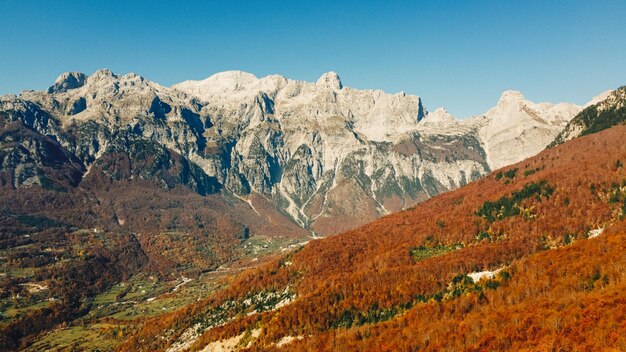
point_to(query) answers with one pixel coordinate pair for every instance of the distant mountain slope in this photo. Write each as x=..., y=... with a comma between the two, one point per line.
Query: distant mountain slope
x=547, y=235
x=326, y=156
x=346, y=133
x=516, y=128
x=606, y=113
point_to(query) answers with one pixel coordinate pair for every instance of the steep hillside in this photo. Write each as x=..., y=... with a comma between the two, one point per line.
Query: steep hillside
x=528, y=258
x=609, y=111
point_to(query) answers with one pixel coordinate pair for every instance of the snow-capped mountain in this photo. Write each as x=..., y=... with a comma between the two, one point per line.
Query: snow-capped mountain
x=327, y=156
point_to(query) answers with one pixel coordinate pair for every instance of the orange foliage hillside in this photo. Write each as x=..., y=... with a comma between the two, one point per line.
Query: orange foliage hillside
x=552, y=225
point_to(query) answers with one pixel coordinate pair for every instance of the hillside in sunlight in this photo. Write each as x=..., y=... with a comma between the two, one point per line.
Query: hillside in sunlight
x=530, y=257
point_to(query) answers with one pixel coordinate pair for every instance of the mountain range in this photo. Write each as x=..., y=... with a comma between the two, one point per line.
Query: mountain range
x=322, y=155
x=123, y=199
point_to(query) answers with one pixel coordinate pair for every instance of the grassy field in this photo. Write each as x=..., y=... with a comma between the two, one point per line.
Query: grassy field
x=260, y=245
x=140, y=296
x=82, y=338
x=425, y=252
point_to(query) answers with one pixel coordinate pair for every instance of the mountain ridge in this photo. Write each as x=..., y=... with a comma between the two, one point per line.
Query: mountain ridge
x=381, y=148
x=604, y=111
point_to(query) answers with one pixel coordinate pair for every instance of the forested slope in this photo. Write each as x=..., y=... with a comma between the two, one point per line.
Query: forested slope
x=549, y=229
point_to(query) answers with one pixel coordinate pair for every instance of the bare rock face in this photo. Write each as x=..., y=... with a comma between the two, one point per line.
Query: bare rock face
x=67, y=81
x=322, y=151
x=330, y=80
x=516, y=128
x=327, y=156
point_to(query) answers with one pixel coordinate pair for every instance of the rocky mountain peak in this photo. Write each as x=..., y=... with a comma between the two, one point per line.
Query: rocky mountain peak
x=131, y=76
x=516, y=123
x=439, y=115
x=227, y=81
x=330, y=80
x=600, y=97
x=232, y=77
x=511, y=97
x=103, y=73
x=102, y=80
x=603, y=111
x=614, y=100
x=220, y=83
x=67, y=81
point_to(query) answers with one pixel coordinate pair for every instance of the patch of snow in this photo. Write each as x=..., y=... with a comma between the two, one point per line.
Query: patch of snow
x=595, y=233
x=479, y=275
x=287, y=340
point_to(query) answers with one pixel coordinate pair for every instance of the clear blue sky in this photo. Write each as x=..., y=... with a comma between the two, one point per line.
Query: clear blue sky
x=457, y=54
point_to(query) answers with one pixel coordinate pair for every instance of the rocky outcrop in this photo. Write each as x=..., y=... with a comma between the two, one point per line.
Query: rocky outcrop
x=67, y=81
x=604, y=111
